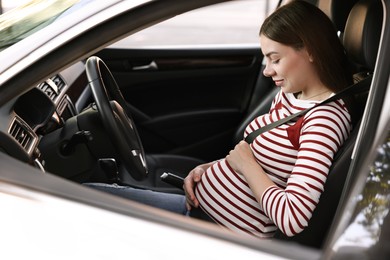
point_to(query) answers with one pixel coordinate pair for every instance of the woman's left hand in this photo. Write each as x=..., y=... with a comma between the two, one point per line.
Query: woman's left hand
x=240, y=157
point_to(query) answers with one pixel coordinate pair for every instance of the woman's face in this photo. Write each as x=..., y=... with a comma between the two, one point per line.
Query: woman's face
x=290, y=69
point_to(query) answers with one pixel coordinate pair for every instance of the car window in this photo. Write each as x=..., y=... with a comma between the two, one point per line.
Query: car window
x=236, y=22
x=369, y=226
x=27, y=18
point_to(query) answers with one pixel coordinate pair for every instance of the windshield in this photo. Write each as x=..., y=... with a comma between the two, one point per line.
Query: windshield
x=22, y=21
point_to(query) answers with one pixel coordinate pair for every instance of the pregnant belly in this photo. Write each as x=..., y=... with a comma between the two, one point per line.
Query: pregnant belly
x=226, y=197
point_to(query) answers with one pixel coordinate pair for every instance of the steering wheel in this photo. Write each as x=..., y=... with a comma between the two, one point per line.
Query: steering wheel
x=117, y=122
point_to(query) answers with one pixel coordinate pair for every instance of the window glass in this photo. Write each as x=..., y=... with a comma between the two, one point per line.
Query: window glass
x=370, y=225
x=235, y=22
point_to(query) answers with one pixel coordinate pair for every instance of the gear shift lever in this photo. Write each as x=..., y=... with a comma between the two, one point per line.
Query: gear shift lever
x=110, y=168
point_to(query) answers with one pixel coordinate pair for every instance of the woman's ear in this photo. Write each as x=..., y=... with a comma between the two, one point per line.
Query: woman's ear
x=309, y=56
x=311, y=59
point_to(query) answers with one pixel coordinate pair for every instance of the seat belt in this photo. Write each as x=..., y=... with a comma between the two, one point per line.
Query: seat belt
x=360, y=87
x=356, y=88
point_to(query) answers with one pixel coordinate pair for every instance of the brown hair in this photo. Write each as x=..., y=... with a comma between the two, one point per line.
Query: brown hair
x=299, y=24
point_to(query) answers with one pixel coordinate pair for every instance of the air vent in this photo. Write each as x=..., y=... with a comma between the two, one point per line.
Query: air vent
x=60, y=83
x=52, y=87
x=49, y=88
x=22, y=134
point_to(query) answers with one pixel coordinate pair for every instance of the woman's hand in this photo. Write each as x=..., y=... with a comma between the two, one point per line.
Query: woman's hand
x=241, y=157
x=242, y=160
x=190, y=182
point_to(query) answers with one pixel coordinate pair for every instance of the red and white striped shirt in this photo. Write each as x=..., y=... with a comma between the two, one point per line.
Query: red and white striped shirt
x=296, y=156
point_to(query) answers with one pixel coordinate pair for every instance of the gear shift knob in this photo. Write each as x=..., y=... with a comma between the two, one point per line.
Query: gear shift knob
x=110, y=168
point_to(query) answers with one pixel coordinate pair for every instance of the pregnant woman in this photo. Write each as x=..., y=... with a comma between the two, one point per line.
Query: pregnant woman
x=275, y=182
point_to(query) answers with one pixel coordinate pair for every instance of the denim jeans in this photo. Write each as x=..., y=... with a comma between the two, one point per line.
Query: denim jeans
x=167, y=201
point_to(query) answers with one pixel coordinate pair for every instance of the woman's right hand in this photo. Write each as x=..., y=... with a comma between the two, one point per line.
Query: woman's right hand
x=190, y=182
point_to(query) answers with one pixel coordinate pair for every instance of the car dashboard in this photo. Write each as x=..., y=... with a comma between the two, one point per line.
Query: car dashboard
x=42, y=110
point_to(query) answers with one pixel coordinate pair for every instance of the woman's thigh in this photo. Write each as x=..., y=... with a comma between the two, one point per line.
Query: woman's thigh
x=167, y=201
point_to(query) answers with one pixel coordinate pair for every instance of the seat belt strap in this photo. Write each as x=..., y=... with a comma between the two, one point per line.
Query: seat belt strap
x=356, y=88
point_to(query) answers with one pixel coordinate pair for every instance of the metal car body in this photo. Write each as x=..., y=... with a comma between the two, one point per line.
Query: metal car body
x=49, y=215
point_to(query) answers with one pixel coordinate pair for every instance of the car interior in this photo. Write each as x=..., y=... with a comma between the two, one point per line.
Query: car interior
x=179, y=126
x=360, y=35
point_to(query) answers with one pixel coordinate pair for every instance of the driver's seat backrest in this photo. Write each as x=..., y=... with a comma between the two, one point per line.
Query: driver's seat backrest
x=361, y=41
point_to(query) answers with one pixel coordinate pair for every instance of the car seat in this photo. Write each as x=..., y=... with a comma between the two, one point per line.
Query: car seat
x=361, y=41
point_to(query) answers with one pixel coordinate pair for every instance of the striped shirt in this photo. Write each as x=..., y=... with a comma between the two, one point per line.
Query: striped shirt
x=296, y=156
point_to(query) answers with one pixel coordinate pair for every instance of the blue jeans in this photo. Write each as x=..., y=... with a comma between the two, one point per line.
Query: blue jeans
x=172, y=202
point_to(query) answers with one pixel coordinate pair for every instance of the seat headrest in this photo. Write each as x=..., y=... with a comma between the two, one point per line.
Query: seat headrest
x=337, y=11
x=362, y=33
